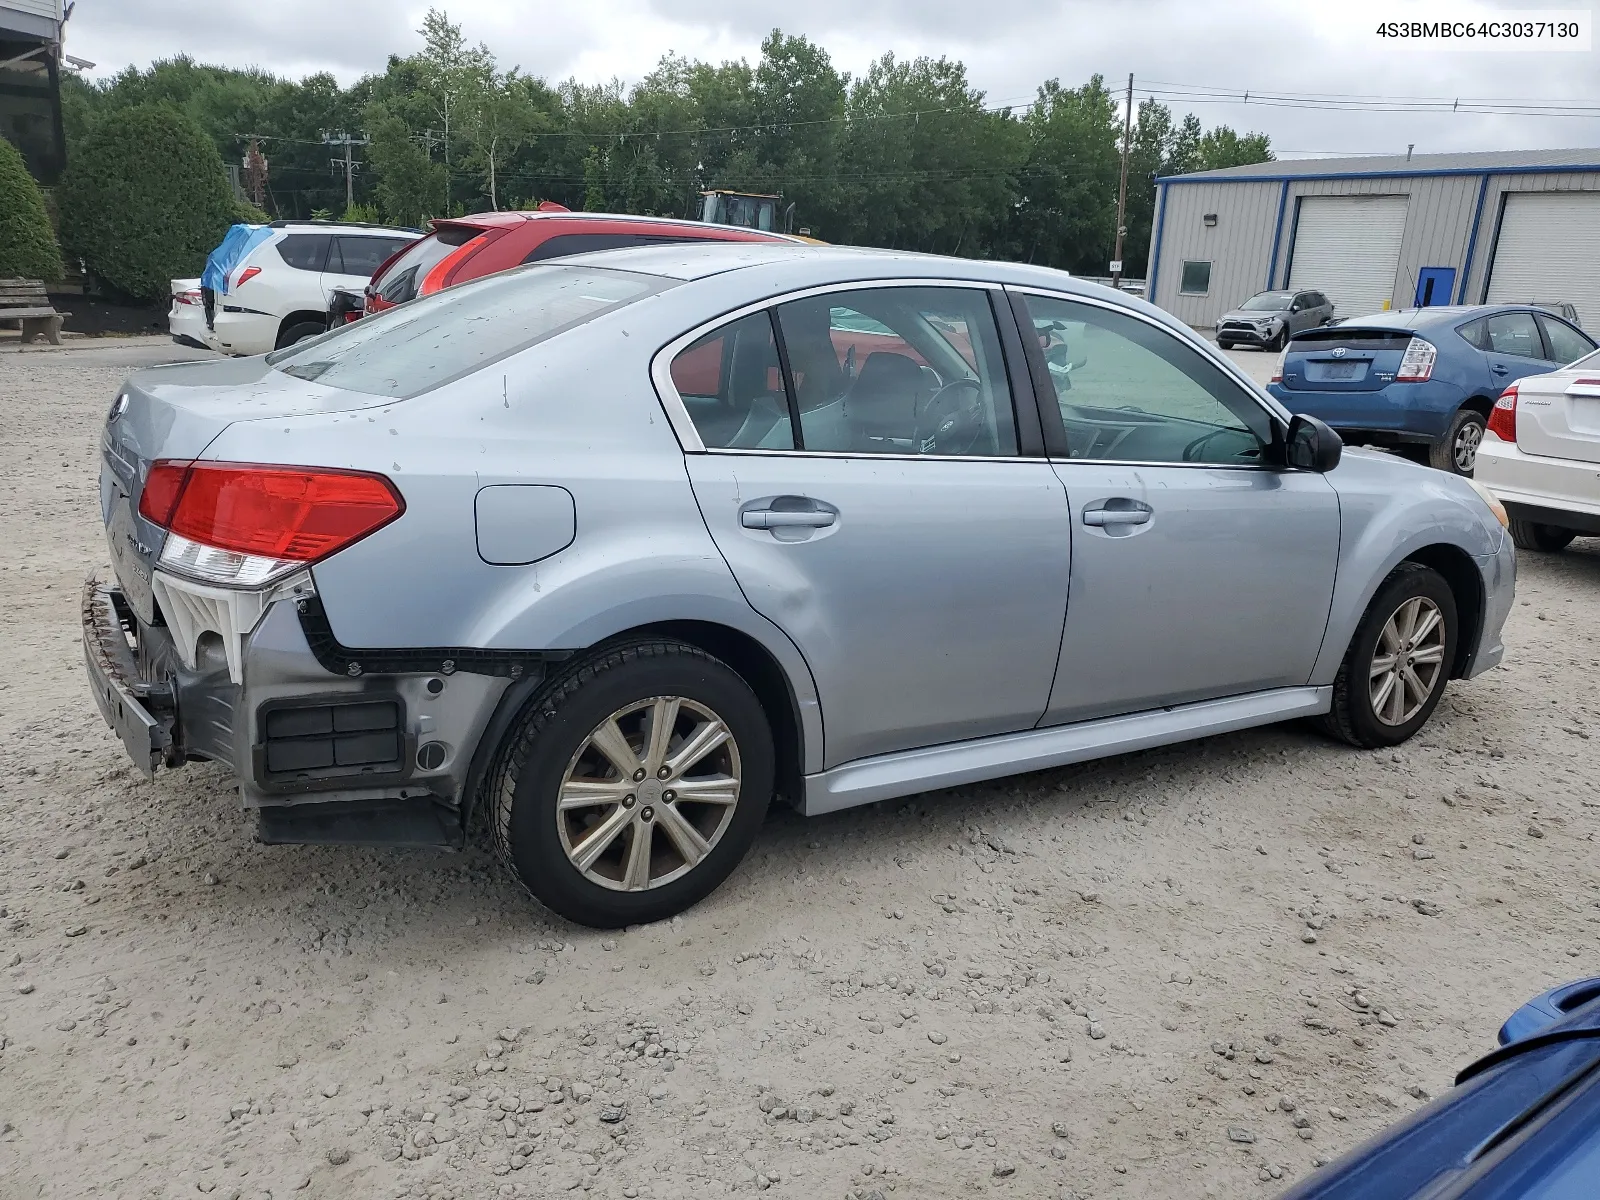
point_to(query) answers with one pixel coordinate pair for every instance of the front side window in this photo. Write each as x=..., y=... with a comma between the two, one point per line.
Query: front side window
x=1567, y=345
x=1131, y=392
x=904, y=370
x=406, y=351
x=1515, y=333
x=1196, y=280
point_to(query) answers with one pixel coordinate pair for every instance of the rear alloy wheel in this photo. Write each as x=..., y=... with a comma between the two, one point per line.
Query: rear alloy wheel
x=299, y=333
x=635, y=784
x=1398, y=662
x=1530, y=535
x=1457, y=450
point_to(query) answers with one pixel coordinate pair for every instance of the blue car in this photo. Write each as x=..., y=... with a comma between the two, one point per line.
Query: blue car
x=1523, y=1122
x=1422, y=377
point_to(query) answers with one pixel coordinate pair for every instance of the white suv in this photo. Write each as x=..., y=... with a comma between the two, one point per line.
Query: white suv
x=280, y=292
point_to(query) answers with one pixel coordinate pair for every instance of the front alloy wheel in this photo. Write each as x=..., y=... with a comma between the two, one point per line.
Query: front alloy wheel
x=649, y=794
x=1398, y=662
x=1409, y=659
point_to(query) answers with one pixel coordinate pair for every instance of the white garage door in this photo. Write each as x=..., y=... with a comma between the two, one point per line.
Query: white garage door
x=1348, y=247
x=1549, y=250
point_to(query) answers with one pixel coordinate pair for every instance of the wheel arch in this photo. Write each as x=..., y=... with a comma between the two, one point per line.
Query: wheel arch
x=1481, y=405
x=1466, y=587
x=757, y=666
x=299, y=317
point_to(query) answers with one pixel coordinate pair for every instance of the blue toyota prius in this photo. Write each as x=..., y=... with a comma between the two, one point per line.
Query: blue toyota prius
x=1424, y=377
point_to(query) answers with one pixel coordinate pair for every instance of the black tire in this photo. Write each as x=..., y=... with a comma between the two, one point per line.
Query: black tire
x=299, y=332
x=1530, y=535
x=1279, y=342
x=1221, y=345
x=523, y=816
x=1352, y=718
x=1457, y=450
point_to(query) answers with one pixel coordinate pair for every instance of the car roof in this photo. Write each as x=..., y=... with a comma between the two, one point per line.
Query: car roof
x=497, y=220
x=355, y=227
x=698, y=260
x=1427, y=318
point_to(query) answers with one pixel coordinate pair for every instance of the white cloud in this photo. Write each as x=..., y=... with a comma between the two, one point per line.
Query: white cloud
x=1009, y=46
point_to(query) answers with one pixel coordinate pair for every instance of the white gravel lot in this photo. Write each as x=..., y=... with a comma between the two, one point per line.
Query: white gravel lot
x=1193, y=971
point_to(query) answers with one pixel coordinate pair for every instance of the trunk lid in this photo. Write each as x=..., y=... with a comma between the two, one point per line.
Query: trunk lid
x=1558, y=415
x=176, y=412
x=1344, y=359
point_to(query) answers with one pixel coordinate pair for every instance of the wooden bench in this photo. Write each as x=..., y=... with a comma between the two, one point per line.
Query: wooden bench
x=25, y=300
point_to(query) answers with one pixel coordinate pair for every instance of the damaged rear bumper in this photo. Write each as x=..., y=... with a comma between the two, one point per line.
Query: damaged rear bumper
x=383, y=752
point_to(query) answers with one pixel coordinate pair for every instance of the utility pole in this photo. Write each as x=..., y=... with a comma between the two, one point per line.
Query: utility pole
x=1122, y=191
x=346, y=164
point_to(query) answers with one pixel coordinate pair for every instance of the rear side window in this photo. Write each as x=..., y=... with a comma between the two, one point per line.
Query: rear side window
x=405, y=275
x=1516, y=334
x=305, y=251
x=361, y=255
x=730, y=382
x=582, y=243
x=1475, y=333
x=407, y=351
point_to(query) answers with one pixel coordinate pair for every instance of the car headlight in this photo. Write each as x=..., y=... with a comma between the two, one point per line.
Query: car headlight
x=1493, y=501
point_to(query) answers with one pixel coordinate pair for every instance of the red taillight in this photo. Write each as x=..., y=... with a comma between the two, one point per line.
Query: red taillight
x=1416, y=365
x=437, y=278
x=161, y=490
x=190, y=297
x=1503, y=416
x=300, y=514
x=246, y=275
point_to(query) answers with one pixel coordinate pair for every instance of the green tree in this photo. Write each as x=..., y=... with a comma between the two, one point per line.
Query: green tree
x=28, y=247
x=409, y=186
x=1067, y=212
x=1222, y=147
x=145, y=199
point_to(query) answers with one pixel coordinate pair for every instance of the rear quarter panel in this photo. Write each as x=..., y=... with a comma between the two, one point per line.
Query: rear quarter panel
x=577, y=412
x=1389, y=509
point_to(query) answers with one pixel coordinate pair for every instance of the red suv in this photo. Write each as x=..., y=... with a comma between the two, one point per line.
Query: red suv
x=463, y=248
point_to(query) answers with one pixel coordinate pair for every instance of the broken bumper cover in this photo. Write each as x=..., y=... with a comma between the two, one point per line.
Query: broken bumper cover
x=112, y=678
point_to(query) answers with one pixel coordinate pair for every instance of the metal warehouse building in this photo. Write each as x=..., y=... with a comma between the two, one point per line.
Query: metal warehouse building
x=1429, y=229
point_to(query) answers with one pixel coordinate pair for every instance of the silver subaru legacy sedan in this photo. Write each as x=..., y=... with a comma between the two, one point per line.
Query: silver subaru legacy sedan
x=612, y=552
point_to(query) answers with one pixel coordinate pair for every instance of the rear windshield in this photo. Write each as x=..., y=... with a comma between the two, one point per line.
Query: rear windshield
x=406, y=351
x=1354, y=339
x=399, y=283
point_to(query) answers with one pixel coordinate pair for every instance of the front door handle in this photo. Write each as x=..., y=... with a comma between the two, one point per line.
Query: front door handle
x=1116, y=516
x=773, y=518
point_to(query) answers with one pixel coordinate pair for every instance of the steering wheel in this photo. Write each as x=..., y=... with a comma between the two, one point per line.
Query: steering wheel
x=1191, y=452
x=946, y=425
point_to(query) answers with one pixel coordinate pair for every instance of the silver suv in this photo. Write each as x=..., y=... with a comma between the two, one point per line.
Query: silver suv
x=613, y=550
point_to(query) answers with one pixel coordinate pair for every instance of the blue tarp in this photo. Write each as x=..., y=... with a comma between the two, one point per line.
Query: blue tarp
x=240, y=240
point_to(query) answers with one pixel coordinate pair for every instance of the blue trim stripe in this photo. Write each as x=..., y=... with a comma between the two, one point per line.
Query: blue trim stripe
x=1277, y=233
x=1577, y=168
x=1472, y=241
x=1155, y=258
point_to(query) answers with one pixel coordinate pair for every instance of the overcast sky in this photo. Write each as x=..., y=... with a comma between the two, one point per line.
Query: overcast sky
x=1009, y=46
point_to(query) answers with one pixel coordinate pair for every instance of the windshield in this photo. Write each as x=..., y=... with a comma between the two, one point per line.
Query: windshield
x=409, y=350
x=1267, y=302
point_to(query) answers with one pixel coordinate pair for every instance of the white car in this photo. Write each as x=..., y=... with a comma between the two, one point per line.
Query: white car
x=1541, y=455
x=280, y=291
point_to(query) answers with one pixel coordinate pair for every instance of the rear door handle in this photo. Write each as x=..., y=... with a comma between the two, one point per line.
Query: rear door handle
x=772, y=518
x=1103, y=516
x=1498, y=369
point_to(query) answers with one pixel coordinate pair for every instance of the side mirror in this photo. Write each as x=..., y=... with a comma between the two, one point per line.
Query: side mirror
x=1310, y=445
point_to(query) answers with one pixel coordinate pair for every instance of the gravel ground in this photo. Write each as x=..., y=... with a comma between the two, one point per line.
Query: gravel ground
x=1193, y=971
